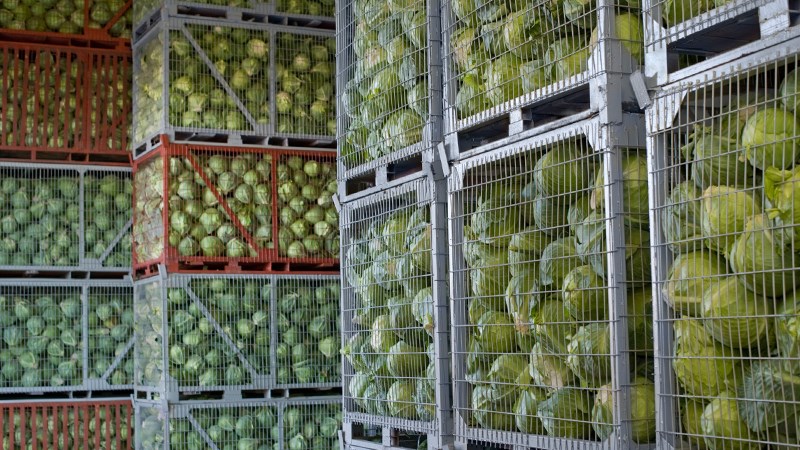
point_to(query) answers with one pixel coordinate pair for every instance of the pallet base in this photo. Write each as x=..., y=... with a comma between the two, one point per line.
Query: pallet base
x=66, y=156
x=240, y=394
x=234, y=268
x=358, y=436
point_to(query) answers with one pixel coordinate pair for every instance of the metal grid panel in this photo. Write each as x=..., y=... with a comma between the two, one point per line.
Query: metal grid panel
x=389, y=93
x=52, y=338
x=67, y=424
x=311, y=422
x=110, y=102
x=305, y=80
x=394, y=310
x=91, y=18
x=501, y=56
x=724, y=254
x=142, y=9
x=64, y=218
x=551, y=317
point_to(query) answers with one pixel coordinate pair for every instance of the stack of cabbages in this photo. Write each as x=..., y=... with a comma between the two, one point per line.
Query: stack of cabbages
x=196, y=99
x=198, y=354
x=308, y=330
x=62, y=427
x=732, y=227
x=65, y=16
x=389, y=342
x=539, y=355
x=386, y=98
x=500, y=50
x=305, y=427
x=40, y=218
x=305, y=71
x=110, y=335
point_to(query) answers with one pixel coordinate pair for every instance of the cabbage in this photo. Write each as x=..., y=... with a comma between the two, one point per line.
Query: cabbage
x=400, y=400
x=593, y=250
x=690, y=420
x=723, y=427
x=558, y=259
x=714, y=153
x=736, y=316
x=549, y=371
x=552, y=325
x=562, y=171
x=634, y=190
x=689, y=276
x=525, y=413
x=725, y=211
x=490, y=414
x=567, y=413
x=495, y=220
x=770, y=139
x=676, y=11
x=521, y=296
x=507, y=374
x=642, y=410
x=525, y=249
x=585, y=294
x=628, y=28
x=550, y=215
x=703, y=366
x=766, y=398
x=680, y=218
x=779, y=187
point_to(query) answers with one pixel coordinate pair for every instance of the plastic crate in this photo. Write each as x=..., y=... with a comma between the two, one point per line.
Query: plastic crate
x=269, y=233
x=66, y=335
x=510, y=67
x=87, y=19
x=722, y=172
x=395, y=311
x=93, y=423
x=552, y=320
x=207, y=333
x=211, y=81
x=389, y=88
x=313, y=422
x=60, y=218
x=65, y=103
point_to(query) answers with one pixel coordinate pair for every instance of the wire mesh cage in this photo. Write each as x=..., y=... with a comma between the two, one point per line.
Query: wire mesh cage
x=145, y=9
x=726, y=266
x=394, y=310
x=503, y=56
x=550, y=288
x=390, y=85
x=66, y=336
x=312, y=423
x=234, y=209
x=60, y=218
x=94, y=19
x=233, y=333
x=106, y=423
x=63, y=102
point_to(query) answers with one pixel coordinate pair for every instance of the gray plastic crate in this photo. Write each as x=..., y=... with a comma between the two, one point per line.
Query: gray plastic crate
x=395, y=314
x=552, y=321
x=513, y=66
x=66, y=335
x=201, y=333
x=64, y=218
x=212, y=81
x=722, y=165
x=389, y=87
x=310, y=422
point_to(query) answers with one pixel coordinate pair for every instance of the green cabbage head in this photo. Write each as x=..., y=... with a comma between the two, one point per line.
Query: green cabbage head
x=737, y=317
x=725, y=212
x=723, y=427
x=643, y=411
x=703, y=366
x=770, y=138
x=689, y=276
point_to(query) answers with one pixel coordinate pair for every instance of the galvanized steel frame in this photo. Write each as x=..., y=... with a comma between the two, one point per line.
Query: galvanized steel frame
x=86, y=287
x=606, y=138
x=439, y=430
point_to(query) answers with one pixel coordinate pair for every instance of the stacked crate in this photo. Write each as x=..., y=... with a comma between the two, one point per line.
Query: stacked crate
x=235, y=229
x=66, y=295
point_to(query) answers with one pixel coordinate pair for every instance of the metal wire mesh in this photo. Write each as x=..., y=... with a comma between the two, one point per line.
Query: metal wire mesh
x=305, y=71
x=148, y=87
x=389, y=79
x=388, y=308
x=549, y=343
x=312, y=425
x=107, y=217
x=505, y=55
x=320, y=8
x=70, y=17
x=110, y=334
x=143, y=8
x=111, y=101
x=723, y=178
x=203, y=333
x=308, y=327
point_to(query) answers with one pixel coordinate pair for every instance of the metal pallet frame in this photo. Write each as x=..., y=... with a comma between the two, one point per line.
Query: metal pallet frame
x=169, y=389
x=439, y=430
x=627, y=132
x=602, y=89
x=378, y=172
x=85, y=265
x=86, y=287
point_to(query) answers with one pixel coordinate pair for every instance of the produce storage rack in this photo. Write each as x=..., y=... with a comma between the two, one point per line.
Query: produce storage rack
x=94, y=20
x=494, y=198
x=230, y=116
x=153, y=212
x=709, y=140
x=244, y=321
x=273, y=423
x=510, y=68
x=407, y=222
x=681, y=35
x=72, y=209
x=86, y=88
x=375, y=146
x=147, y=14
x=93, y=309
x=97, y=423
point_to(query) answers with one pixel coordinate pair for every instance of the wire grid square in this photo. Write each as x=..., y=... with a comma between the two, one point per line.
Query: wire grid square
x=391, y=96
x=110, y=334
x=547, y=332
x=503, y=56
x=722, y=176
x=305, y=81
x=389, y=312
